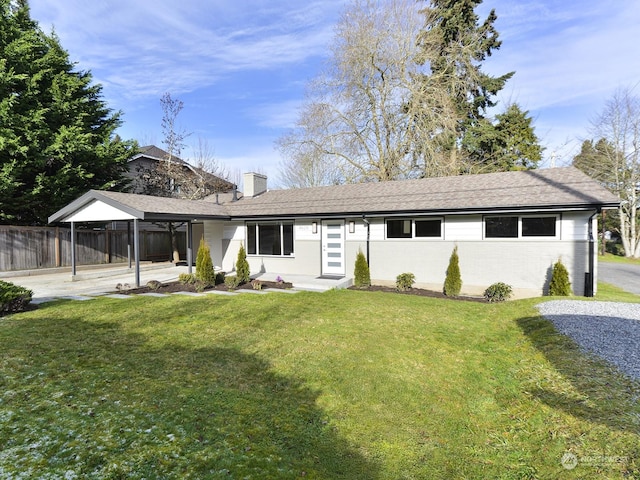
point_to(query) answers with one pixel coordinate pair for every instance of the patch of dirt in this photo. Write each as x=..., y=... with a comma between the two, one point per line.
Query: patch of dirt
x=173, y=287
x=420, y=292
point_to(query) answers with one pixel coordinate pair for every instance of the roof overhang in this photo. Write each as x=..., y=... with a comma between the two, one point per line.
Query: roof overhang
x=95, y=207
x=431, y=212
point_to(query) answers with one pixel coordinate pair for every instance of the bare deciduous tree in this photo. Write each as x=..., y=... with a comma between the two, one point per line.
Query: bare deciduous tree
x=618, y=166
x=355, y=125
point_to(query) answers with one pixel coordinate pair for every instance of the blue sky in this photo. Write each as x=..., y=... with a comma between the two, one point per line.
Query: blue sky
x=241, y=67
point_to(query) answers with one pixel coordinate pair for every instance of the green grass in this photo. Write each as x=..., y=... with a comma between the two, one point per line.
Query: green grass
x=610, y=258
x=611, y=293
x=340, y=385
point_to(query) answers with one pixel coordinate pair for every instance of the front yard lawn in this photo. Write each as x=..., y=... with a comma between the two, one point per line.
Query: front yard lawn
x=340, y=385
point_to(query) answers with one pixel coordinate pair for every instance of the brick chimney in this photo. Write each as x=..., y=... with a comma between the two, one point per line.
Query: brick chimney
x=254, y=184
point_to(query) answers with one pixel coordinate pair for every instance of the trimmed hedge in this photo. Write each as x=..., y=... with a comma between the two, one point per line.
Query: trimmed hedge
x=13, y=298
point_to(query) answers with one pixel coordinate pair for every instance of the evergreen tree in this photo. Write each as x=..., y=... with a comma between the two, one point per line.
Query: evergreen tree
x=56, y=133
x=361, y=273
x=560, y=284
x=453, y=45
x=204, y=265
x=508, y=144
x=453, y=280
x=242, y=266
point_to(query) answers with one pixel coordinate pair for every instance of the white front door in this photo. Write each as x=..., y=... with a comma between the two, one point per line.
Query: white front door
x=333, y=247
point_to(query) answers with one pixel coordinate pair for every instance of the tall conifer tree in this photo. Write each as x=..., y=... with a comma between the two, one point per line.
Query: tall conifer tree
x=57, y=136
x=453, y=45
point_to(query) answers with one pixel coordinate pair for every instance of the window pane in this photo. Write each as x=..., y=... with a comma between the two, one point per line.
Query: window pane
x=398, y=228
x=428, y=228
x=251, y=239
x=287, y=239
x=501, y=227
x=269, y=239
x=539, y=226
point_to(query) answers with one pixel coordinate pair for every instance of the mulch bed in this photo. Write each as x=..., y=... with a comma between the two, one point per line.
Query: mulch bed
x=173, y=287
x=420, y=292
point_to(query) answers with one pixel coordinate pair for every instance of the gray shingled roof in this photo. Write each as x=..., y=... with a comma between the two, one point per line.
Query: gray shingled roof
x=549, y=189
x=537, y=189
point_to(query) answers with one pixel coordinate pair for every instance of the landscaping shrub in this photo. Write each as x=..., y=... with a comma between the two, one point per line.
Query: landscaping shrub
x=405, y=281
x=187, y=278
x=13, y=298
x=154, y=284
x=453, y=281
x=242, y=266
x=256, y=284
x=361, y=273
x=204, y=264
x=560, y=285
x=231, y=282
x=220, y=277
x=498, y=292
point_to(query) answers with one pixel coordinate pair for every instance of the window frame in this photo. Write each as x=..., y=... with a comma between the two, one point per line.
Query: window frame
x=286, y=244
x=413, y=228
x=556, y=236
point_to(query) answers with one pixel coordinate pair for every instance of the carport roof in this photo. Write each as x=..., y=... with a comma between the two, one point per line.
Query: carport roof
x=96, y=205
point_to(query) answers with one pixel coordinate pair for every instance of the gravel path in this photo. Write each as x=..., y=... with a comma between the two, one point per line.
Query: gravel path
x=611, y=330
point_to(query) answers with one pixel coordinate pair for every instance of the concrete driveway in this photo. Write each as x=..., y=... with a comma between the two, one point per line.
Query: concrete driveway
x=51, y=283
x=621, y=275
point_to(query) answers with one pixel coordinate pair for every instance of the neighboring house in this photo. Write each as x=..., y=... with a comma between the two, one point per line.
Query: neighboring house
x=509, y=227
x=187, y=181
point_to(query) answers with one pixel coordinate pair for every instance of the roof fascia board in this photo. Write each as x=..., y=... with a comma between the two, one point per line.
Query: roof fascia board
x=398, y=213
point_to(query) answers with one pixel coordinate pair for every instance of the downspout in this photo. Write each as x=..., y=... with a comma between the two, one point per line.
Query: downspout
x=366, y=222
x=589, y=283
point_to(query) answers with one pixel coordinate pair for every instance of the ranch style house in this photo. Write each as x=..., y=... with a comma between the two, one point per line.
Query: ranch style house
x=508, y=227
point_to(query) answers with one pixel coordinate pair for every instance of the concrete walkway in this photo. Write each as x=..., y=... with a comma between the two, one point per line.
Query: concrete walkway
x=99, y=280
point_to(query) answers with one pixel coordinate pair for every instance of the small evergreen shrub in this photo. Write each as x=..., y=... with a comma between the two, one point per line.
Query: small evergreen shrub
x=187, y=278
x=405, y=281
x=13, y=298
x=361, y=273
x=453, y=280
x=242, y=266
x=154, y=284
x=200, y=286
x=231, y=282
x=220, y=277
x=256, y=284
x=560, y=285
x=498, y=292
x=204, y=264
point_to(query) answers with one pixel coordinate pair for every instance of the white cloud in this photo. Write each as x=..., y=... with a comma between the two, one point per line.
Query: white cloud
x=144, y=48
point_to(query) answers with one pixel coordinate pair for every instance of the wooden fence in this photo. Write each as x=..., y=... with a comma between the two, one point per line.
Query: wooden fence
x=27, y=248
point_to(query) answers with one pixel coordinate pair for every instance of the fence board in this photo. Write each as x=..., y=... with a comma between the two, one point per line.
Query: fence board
x=27, y=248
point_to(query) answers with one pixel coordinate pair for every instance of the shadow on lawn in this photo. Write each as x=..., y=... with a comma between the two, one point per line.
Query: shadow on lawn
x=601, y=393
x=165, y=411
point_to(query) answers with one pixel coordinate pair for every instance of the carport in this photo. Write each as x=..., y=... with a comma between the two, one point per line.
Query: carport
x=105, y=206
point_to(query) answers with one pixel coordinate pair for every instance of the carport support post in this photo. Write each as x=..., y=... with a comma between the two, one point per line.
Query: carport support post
x=129, y=242
x=136, y=249
x=189, y=245
x=73, y=249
